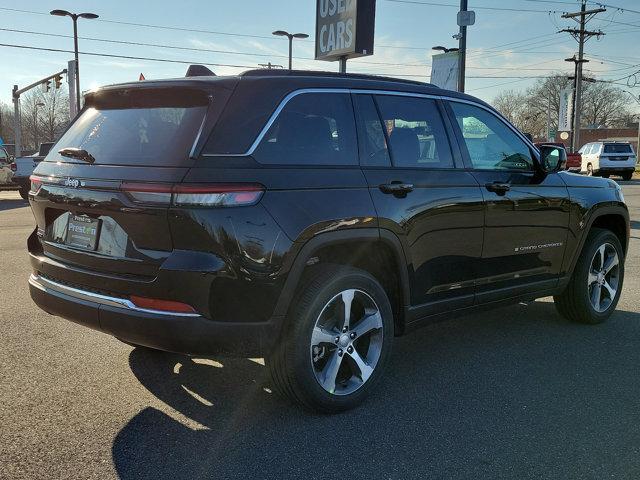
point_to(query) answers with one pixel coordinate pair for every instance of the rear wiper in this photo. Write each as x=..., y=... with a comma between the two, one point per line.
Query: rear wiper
x=77, y=153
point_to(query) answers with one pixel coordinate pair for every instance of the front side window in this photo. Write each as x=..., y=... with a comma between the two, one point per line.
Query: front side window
x=417, y=137
x=4, y=158
x=312, y=129
x=492, y=145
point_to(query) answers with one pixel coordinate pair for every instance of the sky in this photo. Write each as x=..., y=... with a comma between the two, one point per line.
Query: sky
x=511, y=39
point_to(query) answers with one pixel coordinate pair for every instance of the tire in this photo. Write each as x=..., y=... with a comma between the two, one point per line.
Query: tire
x=576, y=303
x=627, y=176
x=300, y=369
x=24, y=193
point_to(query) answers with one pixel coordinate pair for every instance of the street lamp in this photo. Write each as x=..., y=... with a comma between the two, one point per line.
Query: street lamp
x=445, y=49
x=75, y=17
x=35, y=127
x=290, y=36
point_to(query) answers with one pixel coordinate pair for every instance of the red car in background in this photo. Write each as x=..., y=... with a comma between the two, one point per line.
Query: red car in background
x=574, y=160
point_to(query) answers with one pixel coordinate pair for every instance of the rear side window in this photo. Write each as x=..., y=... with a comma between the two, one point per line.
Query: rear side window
x=154, y=130
x=416, y=134
x=312, y=129
x=617, y=148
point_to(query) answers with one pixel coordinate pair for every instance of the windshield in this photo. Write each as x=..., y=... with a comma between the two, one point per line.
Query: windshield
x=146, y=127
x=617, y=148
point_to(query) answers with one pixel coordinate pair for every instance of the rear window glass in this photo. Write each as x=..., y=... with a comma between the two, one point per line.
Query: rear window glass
x=153, y=131
x=312, y=129
x=617, y=148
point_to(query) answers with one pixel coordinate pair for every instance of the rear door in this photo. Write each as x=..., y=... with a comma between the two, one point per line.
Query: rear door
x=99, y=216
x=526, y=212
x=433, y=207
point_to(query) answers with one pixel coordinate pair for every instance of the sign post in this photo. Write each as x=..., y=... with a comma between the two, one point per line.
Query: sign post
x=344, y=29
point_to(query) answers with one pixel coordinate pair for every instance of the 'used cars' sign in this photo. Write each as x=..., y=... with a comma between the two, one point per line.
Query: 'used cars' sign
x=344, y=28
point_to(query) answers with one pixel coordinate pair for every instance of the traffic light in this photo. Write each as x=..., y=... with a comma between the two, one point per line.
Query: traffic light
x=58, y=81
x=46, y=86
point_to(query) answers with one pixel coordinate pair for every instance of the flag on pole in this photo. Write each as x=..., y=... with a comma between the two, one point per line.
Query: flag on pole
x=141, y=77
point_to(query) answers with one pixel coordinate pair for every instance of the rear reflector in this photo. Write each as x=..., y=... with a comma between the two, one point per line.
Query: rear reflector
x=210, y=195
x=161, y=305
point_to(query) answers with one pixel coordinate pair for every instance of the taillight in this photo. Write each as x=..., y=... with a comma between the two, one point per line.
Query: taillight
x=204, y=195
x=161, y=305
x=13, y=166
x=36, y=183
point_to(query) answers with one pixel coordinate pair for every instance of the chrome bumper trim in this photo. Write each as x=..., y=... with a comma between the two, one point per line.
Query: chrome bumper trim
x=49, y=286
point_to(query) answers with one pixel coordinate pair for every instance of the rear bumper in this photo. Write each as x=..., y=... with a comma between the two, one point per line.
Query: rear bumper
x=190, y=334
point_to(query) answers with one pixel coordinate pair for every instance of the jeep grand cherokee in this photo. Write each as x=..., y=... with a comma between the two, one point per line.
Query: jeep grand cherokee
x=310, y=218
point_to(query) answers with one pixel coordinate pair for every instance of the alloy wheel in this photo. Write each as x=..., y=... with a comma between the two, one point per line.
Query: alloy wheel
x=346, y=342
x=604, y=277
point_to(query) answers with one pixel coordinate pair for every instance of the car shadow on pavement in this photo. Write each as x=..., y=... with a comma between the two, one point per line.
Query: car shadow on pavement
x=10, y=203
x=514, y=393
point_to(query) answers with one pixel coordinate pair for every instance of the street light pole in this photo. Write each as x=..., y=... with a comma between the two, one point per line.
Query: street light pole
x=290, y=36
x=35, y=126
x=75, y=17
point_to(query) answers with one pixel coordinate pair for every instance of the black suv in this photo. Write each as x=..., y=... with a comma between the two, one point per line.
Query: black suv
x=309, y=218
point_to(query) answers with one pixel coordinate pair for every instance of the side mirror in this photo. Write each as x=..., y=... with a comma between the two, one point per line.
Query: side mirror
x=552, y=158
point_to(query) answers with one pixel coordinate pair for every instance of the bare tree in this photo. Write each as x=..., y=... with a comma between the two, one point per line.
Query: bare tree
x=43, y=116
x=603, y=105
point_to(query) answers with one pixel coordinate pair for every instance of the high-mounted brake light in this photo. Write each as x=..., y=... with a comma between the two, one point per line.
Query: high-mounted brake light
x=206, y=195
x=161, y=305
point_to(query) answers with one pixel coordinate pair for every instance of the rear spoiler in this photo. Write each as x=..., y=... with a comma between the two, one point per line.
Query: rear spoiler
x=199, y=71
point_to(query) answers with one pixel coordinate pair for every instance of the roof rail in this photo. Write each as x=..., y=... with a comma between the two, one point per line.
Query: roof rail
x=199, y=71
x=318, y=73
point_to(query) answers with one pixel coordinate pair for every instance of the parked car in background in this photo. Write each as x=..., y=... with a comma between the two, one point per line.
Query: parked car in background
x=574, y=159
x=6, y=168
x=308, y=218
x=25, y=166
x=608, y=158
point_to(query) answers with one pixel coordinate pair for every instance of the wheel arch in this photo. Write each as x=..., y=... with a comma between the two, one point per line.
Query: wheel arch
x=611, y=217
x=376, y=251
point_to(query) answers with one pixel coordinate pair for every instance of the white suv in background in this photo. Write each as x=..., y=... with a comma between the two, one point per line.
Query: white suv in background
x=608, y=158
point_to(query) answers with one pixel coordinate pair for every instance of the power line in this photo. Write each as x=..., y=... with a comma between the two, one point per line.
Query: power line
x=128, y=57
x=193, y=49
x=622, y=9
x=438, y=4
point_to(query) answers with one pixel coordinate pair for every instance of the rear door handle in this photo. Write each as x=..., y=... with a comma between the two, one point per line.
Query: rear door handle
x=396, y=188
x=497, y=187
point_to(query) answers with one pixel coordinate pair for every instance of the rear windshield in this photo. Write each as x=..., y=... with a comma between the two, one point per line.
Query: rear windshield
x=135, y=129
x=617, y=148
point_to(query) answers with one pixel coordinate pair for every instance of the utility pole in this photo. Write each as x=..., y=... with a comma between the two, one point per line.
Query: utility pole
x=549, y=139
x=581, y=35
x=462, y=46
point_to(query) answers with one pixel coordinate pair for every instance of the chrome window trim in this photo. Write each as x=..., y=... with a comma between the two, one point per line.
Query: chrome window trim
x=49, y=286
x=302, y=91
x=365, y=91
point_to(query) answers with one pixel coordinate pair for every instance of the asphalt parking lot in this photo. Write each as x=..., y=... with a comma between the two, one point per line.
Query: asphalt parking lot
x=513, y=393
